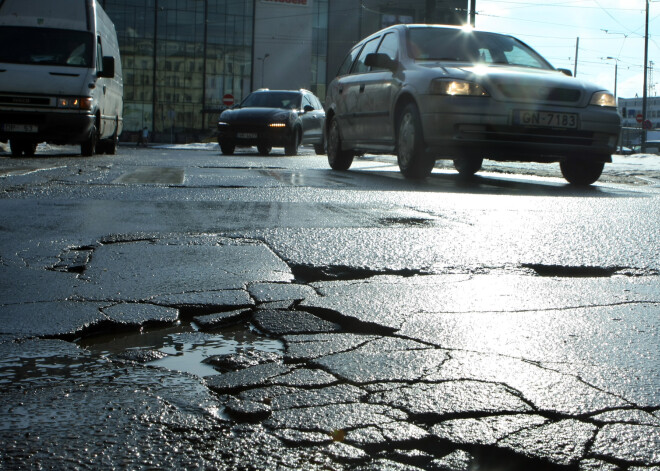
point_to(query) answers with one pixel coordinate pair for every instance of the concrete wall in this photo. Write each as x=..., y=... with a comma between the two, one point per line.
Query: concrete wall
x=283, y=31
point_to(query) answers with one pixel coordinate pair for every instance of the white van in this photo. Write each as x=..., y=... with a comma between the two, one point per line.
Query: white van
x=60, y=76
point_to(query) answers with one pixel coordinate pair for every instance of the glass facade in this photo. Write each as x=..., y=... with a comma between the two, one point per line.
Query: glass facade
x=179, y=58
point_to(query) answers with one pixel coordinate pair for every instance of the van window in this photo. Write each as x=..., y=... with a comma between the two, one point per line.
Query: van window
x=47, y=46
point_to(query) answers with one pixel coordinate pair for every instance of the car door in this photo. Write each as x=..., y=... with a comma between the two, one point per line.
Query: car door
x=358, y=97
x=380, y=87
x=311, y=118
x=337, y=98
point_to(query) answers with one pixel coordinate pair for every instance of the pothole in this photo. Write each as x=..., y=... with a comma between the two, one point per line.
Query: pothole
x=308, y=273
x=566, y=271
x=182, y=347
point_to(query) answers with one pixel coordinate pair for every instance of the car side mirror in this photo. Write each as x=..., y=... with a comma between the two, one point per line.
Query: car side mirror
x=308, y=108
x=380, y=61
x=108, y=67
x=566, y=72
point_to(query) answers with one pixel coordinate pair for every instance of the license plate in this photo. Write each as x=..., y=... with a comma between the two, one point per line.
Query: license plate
x=246, y=135
x=545, y=119
x=20, y=128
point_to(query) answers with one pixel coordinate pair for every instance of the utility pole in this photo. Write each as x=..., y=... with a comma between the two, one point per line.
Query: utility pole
x=645, y=92
x=616, y=71
x=577, y=48
x=473, y=12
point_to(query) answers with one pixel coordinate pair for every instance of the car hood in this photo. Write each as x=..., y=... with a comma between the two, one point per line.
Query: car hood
x=525, y=84
x=255, y=115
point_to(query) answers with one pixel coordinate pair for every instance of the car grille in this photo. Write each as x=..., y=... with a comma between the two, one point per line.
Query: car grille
x=24, y=100
x=536, y=93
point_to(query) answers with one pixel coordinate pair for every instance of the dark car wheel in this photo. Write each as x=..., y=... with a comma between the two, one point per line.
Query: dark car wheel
x=264, y=150
x=581, y=172
x=413, y=161
x=467, y=166
x=88, y=147
x=337, y=158
x=292, y=147
x=21, y=147
x=319, y=149
x=227, y=149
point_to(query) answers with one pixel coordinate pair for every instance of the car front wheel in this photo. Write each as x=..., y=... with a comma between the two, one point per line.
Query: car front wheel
x=581, y=172
x=292, y=147
x=227, y=149
x=337, y=158
x=413, y=161
x=467, y=166
x=264, y=149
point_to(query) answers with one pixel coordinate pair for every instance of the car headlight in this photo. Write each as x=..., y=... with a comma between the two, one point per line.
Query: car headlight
x=223, y=123
x=277, y=125
x=80, y=103
x=603, y=99
x=457, y=88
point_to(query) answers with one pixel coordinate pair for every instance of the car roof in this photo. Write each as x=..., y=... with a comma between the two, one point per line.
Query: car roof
x=405, y=27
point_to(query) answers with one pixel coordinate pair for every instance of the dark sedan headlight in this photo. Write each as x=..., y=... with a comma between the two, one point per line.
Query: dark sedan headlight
x=277, y=125
x=451, y=87
x=603, y=99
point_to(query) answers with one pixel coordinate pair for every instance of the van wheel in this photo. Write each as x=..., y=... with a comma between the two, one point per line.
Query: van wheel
x=87, y=148
x=413, y=161
x=337, y=158
x=21, y=147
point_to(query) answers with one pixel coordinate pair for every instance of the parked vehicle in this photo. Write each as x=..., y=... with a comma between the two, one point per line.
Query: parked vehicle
x=425, y=92
x=60, y=76
x=273, y=118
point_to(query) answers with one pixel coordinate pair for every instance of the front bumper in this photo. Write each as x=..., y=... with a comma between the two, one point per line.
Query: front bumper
x=458, y=126
x=57, y=127
x=254, y=135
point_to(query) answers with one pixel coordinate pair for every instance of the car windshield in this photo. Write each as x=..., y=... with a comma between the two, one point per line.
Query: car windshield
x=287, y=100
x=457, y=45
x=46, y=46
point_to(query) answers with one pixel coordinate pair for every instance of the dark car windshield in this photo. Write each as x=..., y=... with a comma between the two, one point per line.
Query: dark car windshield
x=47, y=46
x=288, y=100
x=457, y=45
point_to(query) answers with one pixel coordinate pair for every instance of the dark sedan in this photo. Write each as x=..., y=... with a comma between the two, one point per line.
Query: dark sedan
x=273, y=118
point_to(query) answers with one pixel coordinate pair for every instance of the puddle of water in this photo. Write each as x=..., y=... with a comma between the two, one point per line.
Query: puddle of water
x=184, y=346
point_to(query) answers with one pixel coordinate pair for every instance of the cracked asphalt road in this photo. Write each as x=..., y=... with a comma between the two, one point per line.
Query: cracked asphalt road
x=508, y=323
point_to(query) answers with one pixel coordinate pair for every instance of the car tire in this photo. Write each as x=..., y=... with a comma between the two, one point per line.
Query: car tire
x=319, y=149
x=581, y=172
x=338, y=159
x=88, y=147
x=227, y=149
x=20, y=147
x=292, y=147
x=264, y=150
x=467, y=166
x=413, y=161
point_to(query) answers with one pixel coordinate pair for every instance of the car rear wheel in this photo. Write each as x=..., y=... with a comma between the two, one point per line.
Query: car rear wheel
x=581, y=172
x=337, y=158
x=413, y=161
x=227, y=149
x=264, y=149
x=319, y=149
x=467, y=166
x=292, y=147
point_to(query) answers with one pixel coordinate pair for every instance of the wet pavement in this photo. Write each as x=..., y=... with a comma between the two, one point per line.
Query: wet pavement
x=180, y=309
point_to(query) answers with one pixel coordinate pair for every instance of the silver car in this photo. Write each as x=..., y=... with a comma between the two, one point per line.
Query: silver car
x=427, y=92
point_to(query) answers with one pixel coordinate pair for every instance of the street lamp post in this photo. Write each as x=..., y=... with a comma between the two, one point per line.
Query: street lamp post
x=263, y=66
x=644, y=92
x=616, y=72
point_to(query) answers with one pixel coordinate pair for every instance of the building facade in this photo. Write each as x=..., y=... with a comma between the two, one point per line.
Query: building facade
x=186, y=60
x=631, y=113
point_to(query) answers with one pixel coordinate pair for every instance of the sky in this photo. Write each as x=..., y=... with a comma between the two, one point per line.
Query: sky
x=605, y=28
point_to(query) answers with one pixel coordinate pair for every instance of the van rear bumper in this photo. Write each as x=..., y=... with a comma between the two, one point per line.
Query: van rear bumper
x=46, y=126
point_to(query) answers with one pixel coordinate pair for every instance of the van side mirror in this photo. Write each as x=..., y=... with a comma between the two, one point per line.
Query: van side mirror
x=108, y=67
x=566, y=72
x=380, y=61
